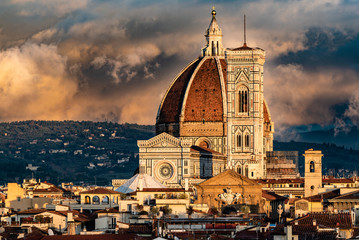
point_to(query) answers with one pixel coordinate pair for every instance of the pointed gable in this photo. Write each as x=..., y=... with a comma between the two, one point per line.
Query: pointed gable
x=162, y=140
x=229, y=178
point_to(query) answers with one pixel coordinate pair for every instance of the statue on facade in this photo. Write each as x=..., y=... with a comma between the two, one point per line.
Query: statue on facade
x=228, y=197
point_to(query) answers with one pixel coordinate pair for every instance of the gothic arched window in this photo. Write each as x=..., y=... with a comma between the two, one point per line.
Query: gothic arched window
x=239, y=140
x=246, y=139
x=312, y=167
x=243, y=100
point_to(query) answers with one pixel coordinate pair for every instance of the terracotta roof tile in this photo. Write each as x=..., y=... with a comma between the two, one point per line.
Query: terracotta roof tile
x=278, y=181
x=338, y=180
x=204, y=99
x=48, y=190
x=100, y=191
x=329, y=220
x=108, y=210
x=326, y=195
x=272, y=196
x=172, y=104
x=32, y=211
x=351, y=195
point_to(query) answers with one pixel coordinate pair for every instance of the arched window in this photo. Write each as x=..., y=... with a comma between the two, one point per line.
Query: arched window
x=243, y=101
x=96, y=200
x=87, y=200
x=239, y=140
x=105, y=200
x=312, y=167
x=213, y=48
x=246, y=139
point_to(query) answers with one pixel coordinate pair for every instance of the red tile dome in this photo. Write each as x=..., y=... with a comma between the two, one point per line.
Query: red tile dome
x=196, y=93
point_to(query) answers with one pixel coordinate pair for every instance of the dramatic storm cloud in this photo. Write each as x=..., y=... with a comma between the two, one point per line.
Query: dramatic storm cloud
x=113, y=60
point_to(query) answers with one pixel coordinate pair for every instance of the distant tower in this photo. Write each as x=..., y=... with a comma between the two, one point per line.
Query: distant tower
x=313, y=172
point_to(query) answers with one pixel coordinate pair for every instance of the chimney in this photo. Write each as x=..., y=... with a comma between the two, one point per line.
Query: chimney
x=186, y=184
x=70, y=217
x=71, y=226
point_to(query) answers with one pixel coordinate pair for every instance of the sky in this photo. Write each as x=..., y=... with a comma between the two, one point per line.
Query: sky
x=110, y=60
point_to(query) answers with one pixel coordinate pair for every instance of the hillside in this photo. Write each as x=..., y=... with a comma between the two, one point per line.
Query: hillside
x=337, y=160
x=91, y=152
x=350, y=138
x=96, y=152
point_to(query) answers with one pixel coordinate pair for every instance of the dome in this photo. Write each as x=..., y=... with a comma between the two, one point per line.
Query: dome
x=196, y=95
x=133, y=183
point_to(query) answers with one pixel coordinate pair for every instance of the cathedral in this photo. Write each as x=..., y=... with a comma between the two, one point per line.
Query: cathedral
x=213, y=117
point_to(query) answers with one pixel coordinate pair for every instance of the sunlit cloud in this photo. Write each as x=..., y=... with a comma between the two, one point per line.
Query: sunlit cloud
x=113, y=60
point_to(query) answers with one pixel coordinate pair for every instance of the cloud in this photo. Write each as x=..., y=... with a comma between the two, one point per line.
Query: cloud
x=114, y=59
x=352, y=112
x=56, y=8
x=299, y=97
x=34, y=83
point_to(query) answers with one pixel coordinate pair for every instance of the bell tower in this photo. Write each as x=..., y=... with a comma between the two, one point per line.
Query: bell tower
x=312, y=172
x=246, y=144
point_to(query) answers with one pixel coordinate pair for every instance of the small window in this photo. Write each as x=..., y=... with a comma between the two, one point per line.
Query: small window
x=96, y=200
x=185, y=163
x=185, y=171
x=239, y=141
x=87, y=200
x=247, y=141
x=106, y=200
x=243, y=101
x=312, y=166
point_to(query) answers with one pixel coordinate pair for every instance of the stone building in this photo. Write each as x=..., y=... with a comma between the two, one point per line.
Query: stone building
x=230, y=189
x=212, y=117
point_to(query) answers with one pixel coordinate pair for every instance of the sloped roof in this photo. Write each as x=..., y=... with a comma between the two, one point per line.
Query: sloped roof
x=338, y=180
x=222, y=179
x=108, y=210
x=204, y=150
x=327, y=195
x=133, y=183
x=32, y=211
x=52, y=189
x=204, y=100
x=351, y=195
x=272, y=196
x=278, y=181
x=329, y=220
x=100, y=191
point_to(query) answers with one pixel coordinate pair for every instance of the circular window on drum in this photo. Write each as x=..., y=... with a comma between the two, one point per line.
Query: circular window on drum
x=166, y=171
